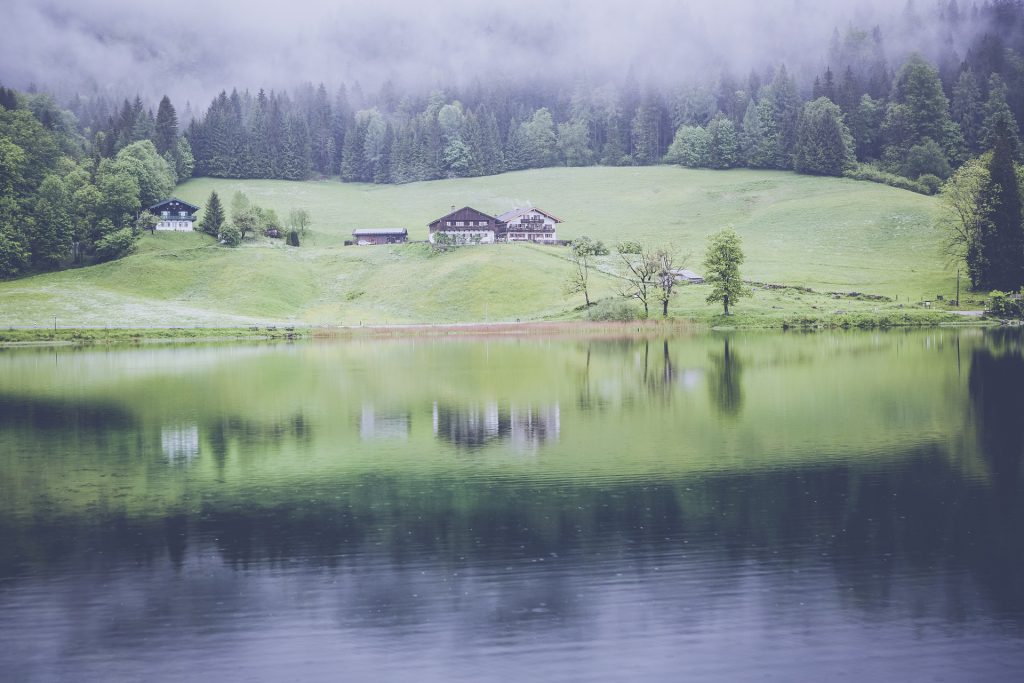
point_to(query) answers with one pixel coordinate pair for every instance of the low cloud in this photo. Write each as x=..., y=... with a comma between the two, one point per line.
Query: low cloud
x=191, y=49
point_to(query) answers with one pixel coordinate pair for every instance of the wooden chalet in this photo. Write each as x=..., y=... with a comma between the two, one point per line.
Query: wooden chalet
x=364, y=236
x=529, y=224
x=174, y=214
x=465, y=226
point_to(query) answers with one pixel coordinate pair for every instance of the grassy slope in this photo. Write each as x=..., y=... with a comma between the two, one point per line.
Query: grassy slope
x=820, y=232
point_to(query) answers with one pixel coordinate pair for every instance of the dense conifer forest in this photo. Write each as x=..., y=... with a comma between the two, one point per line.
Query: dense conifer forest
x=909, y=116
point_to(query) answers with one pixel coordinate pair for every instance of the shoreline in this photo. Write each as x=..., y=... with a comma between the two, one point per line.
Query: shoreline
x=86, y=336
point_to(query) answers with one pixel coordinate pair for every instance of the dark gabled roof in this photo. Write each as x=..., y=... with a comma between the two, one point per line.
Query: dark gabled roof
x=516, y=213
x=466, y=213
x=360, y=232
x=191, y=208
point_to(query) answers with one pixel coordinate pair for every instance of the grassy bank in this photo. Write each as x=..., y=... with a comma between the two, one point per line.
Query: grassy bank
x=822, y=234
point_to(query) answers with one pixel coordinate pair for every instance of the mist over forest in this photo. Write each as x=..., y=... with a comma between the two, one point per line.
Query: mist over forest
x=192, y=49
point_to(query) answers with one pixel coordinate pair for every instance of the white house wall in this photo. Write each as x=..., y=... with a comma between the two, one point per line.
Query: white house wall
x=175, y=225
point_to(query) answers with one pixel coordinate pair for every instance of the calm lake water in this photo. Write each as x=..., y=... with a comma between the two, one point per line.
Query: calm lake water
x=750, y=506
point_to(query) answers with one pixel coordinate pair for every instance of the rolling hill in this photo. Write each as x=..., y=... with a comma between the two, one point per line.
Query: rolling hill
x=825, y=233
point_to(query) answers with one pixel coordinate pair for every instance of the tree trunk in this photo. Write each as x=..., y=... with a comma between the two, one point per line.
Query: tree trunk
x=664, y=308
x=725, y=302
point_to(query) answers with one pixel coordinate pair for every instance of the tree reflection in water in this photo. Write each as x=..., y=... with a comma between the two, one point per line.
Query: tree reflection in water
x=726, y=381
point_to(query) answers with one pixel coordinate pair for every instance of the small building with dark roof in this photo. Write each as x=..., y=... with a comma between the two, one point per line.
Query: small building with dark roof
x=465, y=226
x=174, y=214
x=529, y=224
x=364, y=236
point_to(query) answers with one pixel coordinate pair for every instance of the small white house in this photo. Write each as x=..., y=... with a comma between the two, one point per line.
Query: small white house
x=174, y=214
x=529, y=224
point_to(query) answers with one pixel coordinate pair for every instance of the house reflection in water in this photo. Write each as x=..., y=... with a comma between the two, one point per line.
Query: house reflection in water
x=478, y=425
x=180, y=443
x=533, y=426
x=374, y=424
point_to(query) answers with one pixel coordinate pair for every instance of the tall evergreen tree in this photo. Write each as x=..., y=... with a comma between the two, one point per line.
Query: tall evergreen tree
x=165, y=134
x=213, y=216
x=1001, y=232
x=965, y=109
x=997, y=113
x=824, y=146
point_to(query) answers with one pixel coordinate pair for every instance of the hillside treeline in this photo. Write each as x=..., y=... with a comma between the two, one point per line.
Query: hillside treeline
x=909, y=123
x=61, y=200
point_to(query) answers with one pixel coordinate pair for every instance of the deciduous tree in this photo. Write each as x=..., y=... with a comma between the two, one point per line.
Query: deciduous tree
x=722, y=269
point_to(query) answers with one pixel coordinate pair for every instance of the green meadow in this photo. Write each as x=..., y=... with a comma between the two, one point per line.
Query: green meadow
x=827, y=234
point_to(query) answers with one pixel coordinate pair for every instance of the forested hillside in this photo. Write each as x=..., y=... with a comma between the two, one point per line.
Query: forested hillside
x=888, y=96
x=906, y=102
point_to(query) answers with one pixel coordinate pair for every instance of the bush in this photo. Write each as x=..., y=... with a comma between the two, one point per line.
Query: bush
x=230, y=235
x=932, y=182
x=116, y=244
x=873, y=175
x=608, y=310
x=1002, y=305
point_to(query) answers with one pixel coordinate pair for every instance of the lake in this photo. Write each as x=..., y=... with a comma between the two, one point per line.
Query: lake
x=720, y=507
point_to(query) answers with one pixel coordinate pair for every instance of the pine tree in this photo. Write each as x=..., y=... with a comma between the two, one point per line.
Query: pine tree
x=786, y=112
x=824, y=146
x=997, y=113
x=165, y=134
x=965, y=109
x=213, y=216
x=1001, y=236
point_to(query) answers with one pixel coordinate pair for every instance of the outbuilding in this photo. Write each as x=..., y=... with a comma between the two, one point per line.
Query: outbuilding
x=364, y=236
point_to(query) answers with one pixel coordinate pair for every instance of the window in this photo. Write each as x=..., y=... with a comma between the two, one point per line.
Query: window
x=482, y=223
x=183, y=213
x=459, y=224
x=449, y=224
x=165, y=214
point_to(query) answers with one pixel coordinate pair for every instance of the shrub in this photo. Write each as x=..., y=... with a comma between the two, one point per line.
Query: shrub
x=873, y=175
x=230, y=235
x=116, y=244
x=608, y=310
x=932, y=182
x=1003, y=305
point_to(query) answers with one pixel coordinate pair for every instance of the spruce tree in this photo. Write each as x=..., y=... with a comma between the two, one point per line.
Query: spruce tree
x=213, y=216
x=824, y=146
x=997, y=113
x=1002, y=239
x=165, y=135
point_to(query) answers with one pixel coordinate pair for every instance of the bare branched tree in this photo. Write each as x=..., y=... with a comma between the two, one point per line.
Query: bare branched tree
x=641, y=275
x=583, y=251
x=668, y=262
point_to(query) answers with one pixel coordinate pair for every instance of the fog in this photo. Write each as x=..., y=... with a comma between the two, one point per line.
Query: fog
x=191, y=49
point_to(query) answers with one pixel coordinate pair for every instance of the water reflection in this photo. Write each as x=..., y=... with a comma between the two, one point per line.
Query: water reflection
x=375, y=424
x=726, y=381
x=470, y=426
x=180, y=443
x=525, y=426
x=877, y=511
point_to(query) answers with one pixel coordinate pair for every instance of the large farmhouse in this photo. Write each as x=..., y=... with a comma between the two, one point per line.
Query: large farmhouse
x=174, y=214
x=465, y=226
x=469, y=226
x=529, y=224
